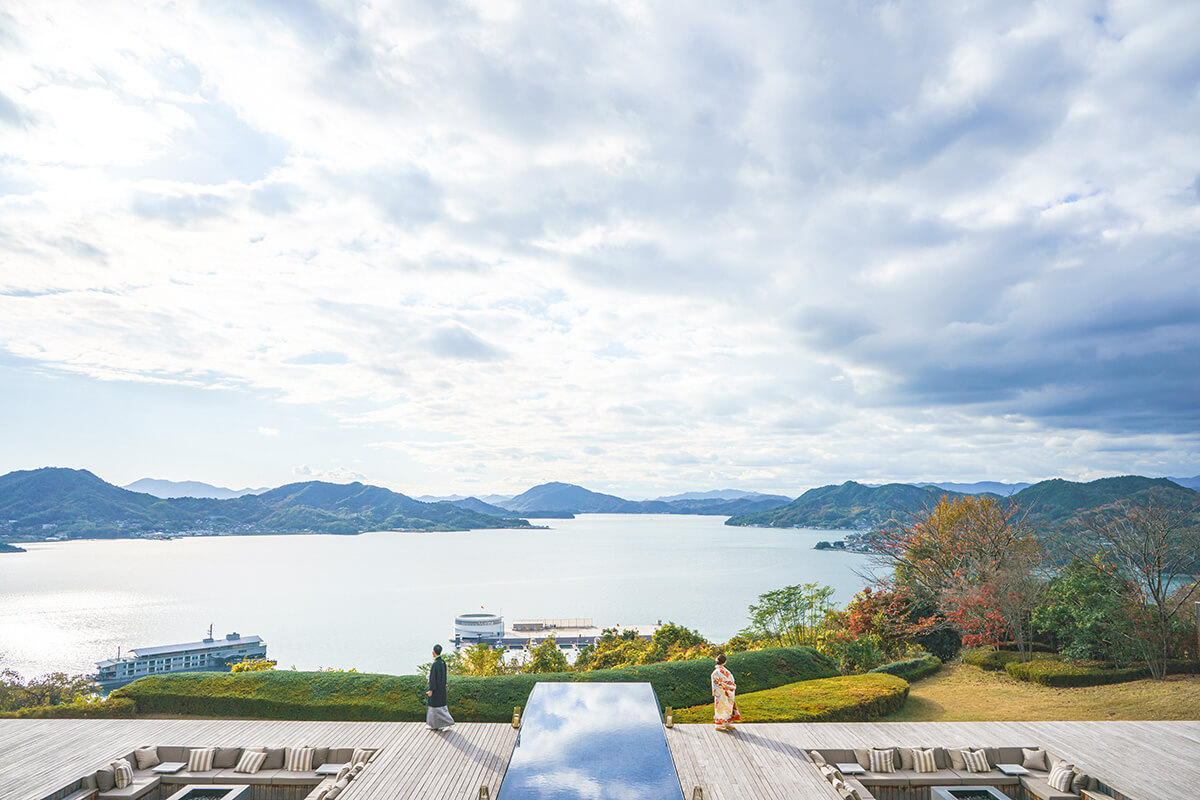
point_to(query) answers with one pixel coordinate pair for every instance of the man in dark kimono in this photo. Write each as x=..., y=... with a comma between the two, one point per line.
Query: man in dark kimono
x=438, y=716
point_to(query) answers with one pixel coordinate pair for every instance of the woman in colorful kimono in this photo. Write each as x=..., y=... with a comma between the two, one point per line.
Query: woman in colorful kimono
x=725, y=711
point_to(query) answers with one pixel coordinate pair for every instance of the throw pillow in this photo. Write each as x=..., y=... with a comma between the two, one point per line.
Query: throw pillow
x=298, y=759
x=1033, y=759
x=200, y=759
x=274, y=758
x=956, y=758
x=1061, y=775
x=357, y=768
x=320, y=756
x=816, y=757
x=226, y=757
x=122, y=773
x=881, y=761
x=105, y=779
x=924, y=760
x=251, y=761
x=147, y=757
x=361, y=757
x=344, y=772
x=976, y=761
x=906, y=758
x=862, y=757
x=333, y=792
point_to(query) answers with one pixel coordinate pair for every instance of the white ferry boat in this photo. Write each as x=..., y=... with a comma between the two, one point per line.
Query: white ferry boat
x=206, y=655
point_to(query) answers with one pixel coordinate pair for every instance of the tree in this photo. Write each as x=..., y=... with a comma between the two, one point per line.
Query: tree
x=793, y=615
x=976, y=562
x=55, y=688
x=1082, y=612
x=546, y=657
x=612, y=650
x=253, y=665
x=1156, y=545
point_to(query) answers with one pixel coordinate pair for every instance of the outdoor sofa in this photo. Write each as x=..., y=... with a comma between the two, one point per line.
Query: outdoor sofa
x=906, y=783
x=280, y=783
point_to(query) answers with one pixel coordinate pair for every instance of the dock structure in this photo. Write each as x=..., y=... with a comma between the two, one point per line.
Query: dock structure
x=1143, y=760
x=568, y=634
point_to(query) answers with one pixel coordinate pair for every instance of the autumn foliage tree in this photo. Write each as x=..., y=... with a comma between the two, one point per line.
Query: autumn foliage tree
x=975, y=562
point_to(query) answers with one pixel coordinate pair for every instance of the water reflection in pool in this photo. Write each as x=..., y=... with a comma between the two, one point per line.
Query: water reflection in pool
x=599, y=741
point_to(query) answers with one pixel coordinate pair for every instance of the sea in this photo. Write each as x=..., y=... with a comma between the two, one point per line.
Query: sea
x=377, y=602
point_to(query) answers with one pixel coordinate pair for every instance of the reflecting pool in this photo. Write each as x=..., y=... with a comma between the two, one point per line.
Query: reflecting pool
x=599, y=741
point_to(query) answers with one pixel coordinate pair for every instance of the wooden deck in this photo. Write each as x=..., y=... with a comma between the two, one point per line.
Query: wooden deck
x=1144, y=760
x=39, y=757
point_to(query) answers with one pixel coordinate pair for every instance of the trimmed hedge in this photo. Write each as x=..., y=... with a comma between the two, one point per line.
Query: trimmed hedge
x=986, y=658
x=850, y=698
x=120, y=707
x=913, y=669
x=1053, y=672
x=360, y=696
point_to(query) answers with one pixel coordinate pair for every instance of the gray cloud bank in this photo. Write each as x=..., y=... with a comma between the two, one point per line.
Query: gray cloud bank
x=773, y=243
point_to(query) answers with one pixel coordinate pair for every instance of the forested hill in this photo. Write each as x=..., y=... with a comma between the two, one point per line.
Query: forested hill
x=1052, y=503
x=850, y=505
x=36, y=504
x=567, y=497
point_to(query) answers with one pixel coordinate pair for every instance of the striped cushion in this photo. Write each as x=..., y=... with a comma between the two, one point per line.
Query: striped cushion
x=343, y=773
x=200, y=759
x=923, y=760
x=976, y=761
x=251, y=761
x=122, y=773
x=361, y=756
x=298, y=759
x=881, y=761
x=1061, y=775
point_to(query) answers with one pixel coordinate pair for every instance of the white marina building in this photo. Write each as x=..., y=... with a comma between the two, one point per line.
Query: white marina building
x=568, y=634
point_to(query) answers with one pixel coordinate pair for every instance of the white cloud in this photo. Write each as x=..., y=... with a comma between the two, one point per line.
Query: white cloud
x=265, y=431
x=645, y=247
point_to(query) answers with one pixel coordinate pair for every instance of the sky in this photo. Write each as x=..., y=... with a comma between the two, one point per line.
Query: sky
x=646, y=247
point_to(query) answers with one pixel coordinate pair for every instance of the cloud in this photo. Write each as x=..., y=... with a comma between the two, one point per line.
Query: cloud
x=263, y=431
x=785, y=245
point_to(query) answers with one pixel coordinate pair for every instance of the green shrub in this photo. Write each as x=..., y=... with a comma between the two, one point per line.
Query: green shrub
x=353, y=696
x=912, y=669
x=987, y=658
x=848, y=698
x=121, y=707
x=1053, y=672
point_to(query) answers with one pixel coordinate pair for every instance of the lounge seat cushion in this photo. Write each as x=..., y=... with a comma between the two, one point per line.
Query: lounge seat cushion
x=1041, y=789
x=883, y=779
x=296, y=778
x=943, y=777
x=183, y=776
x=139, y=787
x=993, y=778
x=263, y=776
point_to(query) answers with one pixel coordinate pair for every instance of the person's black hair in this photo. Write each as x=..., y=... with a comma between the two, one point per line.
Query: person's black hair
x=720, y=658
x=437, y=649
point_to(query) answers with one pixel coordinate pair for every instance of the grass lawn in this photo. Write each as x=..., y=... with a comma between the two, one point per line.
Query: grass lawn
x=961, y=692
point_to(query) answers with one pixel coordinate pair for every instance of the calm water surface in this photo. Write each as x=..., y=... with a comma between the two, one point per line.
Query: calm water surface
x=380, y=600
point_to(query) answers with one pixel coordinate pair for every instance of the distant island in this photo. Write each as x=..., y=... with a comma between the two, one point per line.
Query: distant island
x=854, y=506
x=57, y=503
x=10, y=548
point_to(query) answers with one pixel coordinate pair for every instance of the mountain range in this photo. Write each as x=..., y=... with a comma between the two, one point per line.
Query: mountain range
x=1051, y=504
x=170, y=489
x=73, y=503
x=578, y=500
